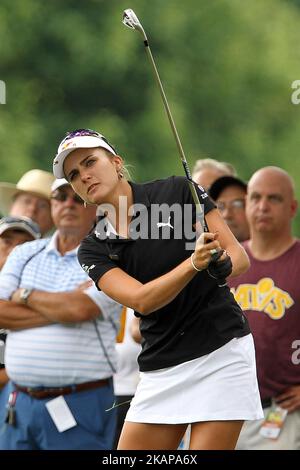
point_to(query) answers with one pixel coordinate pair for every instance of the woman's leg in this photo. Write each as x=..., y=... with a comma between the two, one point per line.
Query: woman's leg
x=143, y=436
x=215, y=435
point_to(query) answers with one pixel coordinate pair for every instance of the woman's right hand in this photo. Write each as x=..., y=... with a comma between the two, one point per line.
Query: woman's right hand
x=202, y=255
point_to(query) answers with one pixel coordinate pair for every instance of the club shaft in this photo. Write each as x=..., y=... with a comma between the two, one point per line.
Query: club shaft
x=199, y=211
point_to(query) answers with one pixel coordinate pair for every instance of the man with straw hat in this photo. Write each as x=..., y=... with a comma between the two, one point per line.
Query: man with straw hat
x=30, y=197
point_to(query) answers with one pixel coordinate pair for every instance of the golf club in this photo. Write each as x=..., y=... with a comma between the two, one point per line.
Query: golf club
x=131, y=20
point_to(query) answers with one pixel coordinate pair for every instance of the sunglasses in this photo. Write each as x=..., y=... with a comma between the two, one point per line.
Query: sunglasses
x=87, y=133
x=62, y=197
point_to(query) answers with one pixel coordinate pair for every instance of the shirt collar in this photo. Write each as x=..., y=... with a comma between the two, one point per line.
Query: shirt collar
x=52, y=246
x=140, y=198
x=140, y=195
x=109, y=228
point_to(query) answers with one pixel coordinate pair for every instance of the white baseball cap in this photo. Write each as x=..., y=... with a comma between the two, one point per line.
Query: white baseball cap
x=58, y=183
x=80, y=138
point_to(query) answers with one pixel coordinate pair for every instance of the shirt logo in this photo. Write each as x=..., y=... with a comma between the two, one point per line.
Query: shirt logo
x=165, y=224
x=263, y=297
x=204, y=195
x=87, y=269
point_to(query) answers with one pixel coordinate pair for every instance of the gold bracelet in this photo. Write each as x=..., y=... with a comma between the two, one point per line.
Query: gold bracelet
x=192, y=262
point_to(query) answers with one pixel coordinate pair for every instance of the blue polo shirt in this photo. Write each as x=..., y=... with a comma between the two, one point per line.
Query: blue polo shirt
x=58, y=354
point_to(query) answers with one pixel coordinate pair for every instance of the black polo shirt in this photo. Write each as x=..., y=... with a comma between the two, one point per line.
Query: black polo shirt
x=203, y=316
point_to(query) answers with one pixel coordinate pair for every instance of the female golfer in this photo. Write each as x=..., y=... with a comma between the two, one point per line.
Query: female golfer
x=197, y=362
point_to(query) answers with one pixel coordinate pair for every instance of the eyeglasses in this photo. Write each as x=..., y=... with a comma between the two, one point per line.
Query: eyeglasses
x=235, y=204
x=62, y=197
x=88, y=133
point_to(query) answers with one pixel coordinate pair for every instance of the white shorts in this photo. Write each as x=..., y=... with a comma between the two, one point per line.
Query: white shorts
x=219, y=386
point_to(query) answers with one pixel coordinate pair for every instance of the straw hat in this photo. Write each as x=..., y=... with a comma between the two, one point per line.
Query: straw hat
x=36, y=182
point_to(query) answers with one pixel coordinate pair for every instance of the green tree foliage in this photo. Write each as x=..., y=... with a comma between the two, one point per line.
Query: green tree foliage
x=227, y=67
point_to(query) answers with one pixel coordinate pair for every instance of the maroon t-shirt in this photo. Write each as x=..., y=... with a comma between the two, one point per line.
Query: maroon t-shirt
x=269, y=294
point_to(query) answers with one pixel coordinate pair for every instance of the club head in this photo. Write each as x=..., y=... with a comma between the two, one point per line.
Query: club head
x=131, y=20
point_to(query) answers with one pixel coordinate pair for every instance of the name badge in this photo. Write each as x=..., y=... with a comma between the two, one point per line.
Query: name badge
x=61, y=414
x=273, y=423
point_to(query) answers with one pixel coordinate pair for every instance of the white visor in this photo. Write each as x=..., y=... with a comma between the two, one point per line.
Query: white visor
x=78, y=142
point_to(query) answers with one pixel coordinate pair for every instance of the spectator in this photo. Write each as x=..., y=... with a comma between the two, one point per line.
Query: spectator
x=61, y=348
x=229, y=193
x=269, y=295
x=13, y=231
x=207, y=170
x=30, y=197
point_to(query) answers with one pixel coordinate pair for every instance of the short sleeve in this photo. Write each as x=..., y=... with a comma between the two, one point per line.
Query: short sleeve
x=204, y=198
x=11, y=273
x=93, y=258
x=182, y=187
x=108, y=307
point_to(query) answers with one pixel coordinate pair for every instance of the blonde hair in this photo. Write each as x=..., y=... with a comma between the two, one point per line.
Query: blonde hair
x=124, y=168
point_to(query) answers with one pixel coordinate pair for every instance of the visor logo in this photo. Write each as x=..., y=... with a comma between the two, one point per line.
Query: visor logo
x=68, y=144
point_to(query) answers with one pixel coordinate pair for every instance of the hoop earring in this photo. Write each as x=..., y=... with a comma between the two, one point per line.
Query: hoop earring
x=120, y=175
x=85, y=204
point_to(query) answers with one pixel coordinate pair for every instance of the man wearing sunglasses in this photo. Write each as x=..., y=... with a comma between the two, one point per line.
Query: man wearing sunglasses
x=60, y=354
x=29, y=198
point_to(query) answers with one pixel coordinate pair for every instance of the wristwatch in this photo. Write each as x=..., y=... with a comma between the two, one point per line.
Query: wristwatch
x=25, y=293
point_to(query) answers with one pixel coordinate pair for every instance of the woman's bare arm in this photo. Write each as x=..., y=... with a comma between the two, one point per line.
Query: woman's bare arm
x=149, y=297
x=239, y=257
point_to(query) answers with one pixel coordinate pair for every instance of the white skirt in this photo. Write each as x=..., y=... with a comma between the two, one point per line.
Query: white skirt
x=219, y=386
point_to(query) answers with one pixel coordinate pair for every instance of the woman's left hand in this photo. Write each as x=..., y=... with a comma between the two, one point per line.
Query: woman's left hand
x=221, y=268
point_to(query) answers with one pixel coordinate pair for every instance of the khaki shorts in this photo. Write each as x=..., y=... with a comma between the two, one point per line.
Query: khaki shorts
x=289, y=437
